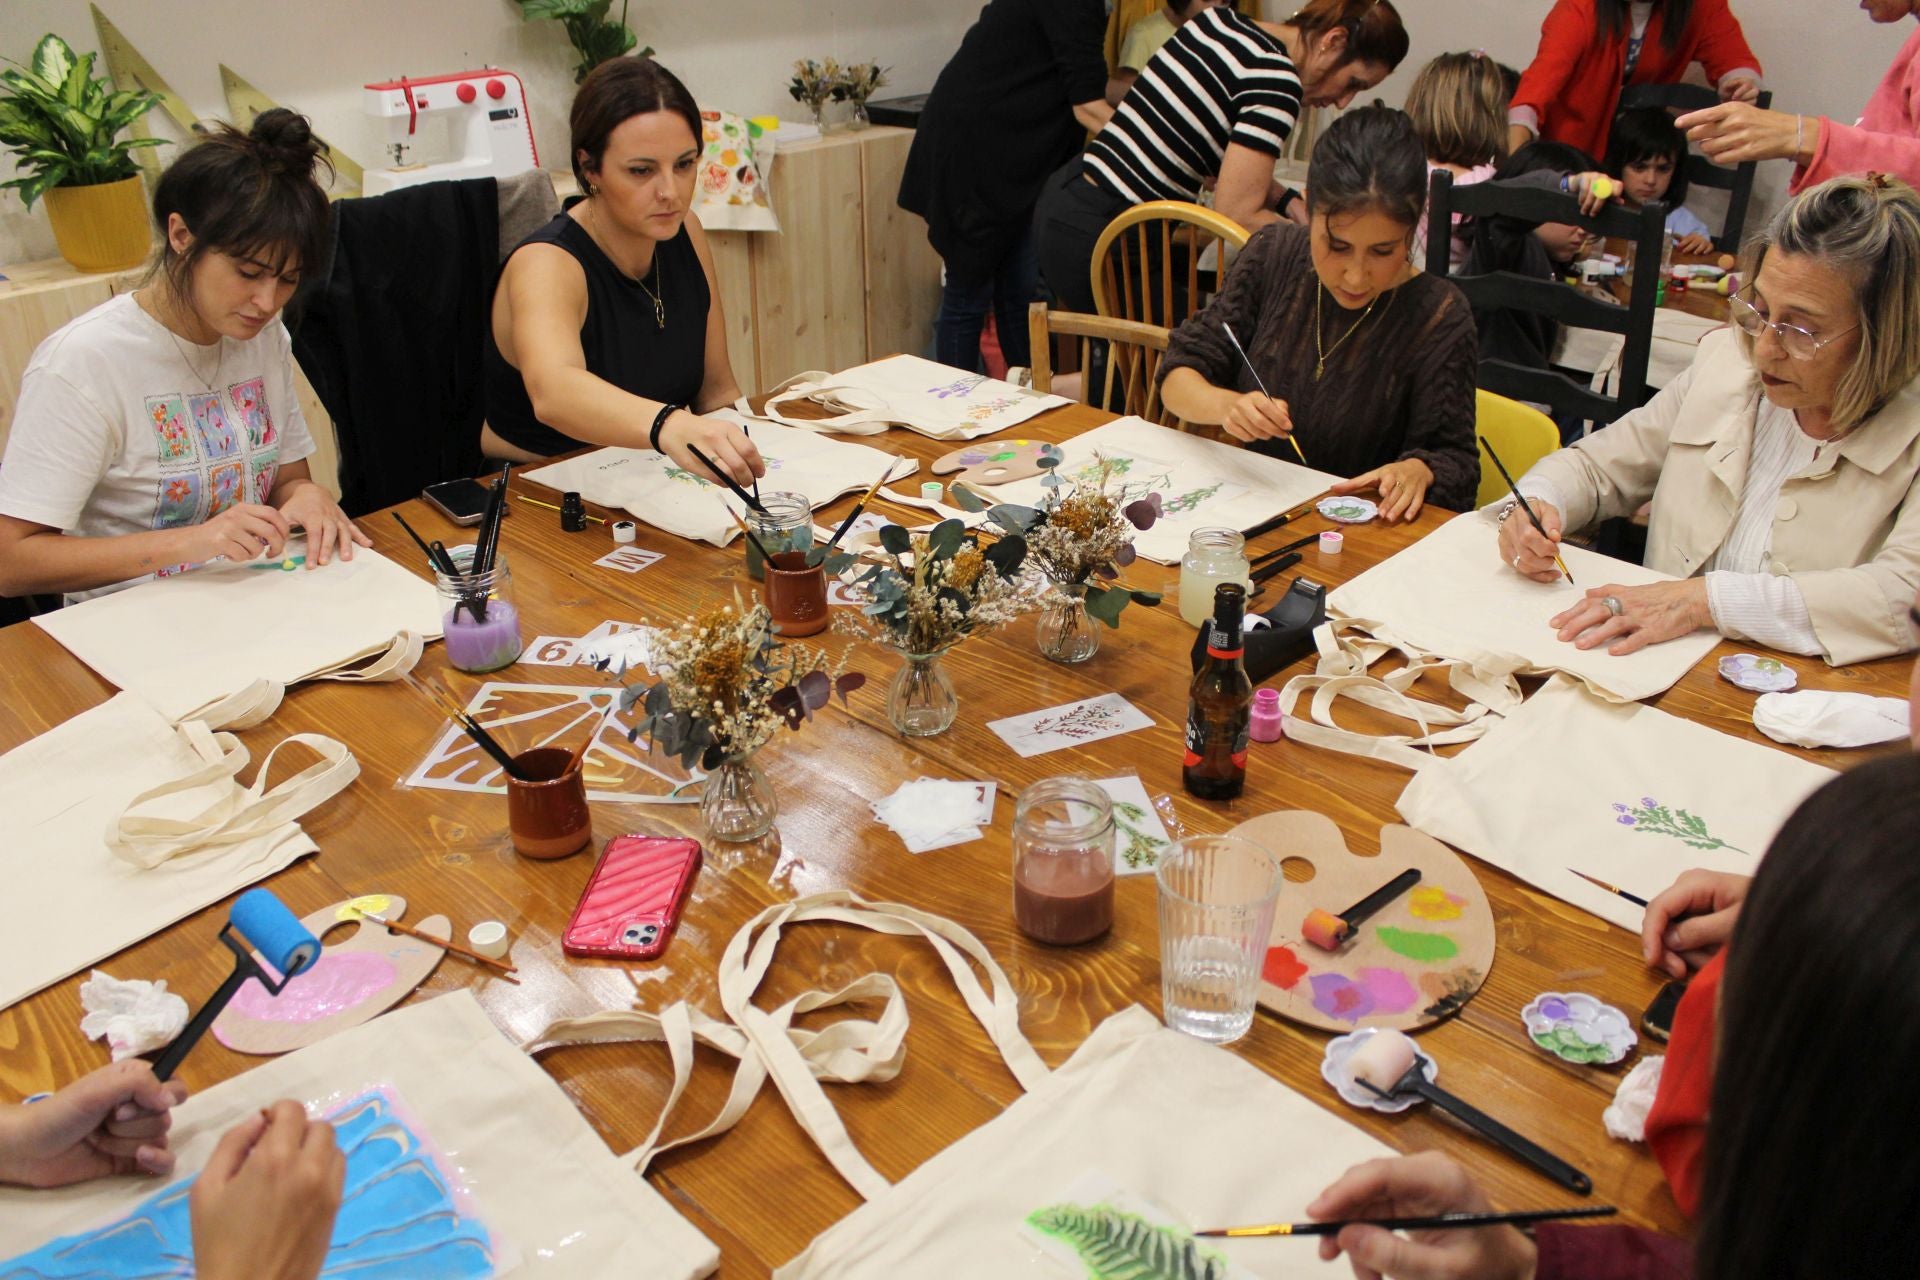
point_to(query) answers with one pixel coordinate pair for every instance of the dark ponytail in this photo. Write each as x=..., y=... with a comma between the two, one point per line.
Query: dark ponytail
x=1369, y=158
x=247, y=195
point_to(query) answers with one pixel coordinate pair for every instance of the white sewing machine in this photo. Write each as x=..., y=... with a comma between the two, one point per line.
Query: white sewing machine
x=489, y=134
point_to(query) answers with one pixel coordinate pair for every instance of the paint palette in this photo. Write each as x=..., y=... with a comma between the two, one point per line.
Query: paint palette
x=362, y=975
x=998, y=462
x=1417, y=960
x=1575, y=1027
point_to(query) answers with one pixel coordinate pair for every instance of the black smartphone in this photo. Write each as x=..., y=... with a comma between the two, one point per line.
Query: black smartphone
x=1657, y=1021
x=461, y=501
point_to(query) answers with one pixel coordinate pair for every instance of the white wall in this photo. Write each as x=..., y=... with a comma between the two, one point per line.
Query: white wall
x=314, y=56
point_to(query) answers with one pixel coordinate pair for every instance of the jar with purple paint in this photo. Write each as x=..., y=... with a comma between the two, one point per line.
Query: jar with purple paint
x=480, y=622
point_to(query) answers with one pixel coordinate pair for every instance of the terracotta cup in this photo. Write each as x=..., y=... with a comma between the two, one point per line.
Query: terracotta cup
x=796, y=595
x=548, y=815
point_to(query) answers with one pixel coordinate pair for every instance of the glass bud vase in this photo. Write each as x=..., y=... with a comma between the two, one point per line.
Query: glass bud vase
x=738, y=803
x=1065, y=632
x=920, y=700
x=860, y=119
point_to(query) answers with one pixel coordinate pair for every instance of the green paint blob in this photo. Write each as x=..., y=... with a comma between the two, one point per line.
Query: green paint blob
x=1424, y=947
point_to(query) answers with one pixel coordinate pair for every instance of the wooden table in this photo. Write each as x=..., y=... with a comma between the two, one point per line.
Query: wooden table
x=762, y=1191
x=1702, y=302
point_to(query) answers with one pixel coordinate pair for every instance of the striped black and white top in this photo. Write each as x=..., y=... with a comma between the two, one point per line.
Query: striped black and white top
x=1220, y=79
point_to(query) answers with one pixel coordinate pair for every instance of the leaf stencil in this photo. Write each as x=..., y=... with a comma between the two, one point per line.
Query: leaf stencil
x=1116, y=1245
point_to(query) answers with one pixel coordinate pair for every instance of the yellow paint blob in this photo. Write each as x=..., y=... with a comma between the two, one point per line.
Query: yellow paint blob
x=1431, y=902
x=374, y=902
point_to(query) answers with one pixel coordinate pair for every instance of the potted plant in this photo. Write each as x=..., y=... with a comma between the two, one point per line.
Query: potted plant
x=594, y=38
x=63, y=128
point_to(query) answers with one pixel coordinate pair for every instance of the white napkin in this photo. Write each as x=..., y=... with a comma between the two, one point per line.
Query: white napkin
x=1626, y=1116
x=930, y=813
x=133, y=1017
x=1819, y=718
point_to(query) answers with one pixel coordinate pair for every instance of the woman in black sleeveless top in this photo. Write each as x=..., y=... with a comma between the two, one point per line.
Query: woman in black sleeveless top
x=607, y=326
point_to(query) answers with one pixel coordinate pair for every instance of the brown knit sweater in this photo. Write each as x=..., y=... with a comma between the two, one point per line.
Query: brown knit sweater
x=1400, y=387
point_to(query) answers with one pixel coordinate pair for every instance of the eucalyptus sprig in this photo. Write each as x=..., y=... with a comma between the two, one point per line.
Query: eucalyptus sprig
x=939, y=587
x=1078, y=533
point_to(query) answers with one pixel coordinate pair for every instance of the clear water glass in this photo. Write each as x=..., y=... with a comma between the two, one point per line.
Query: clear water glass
x=1216, y=914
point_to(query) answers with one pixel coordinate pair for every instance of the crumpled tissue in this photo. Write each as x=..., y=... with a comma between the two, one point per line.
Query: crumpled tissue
x=1821, y=718
x=133, y=1017
x=1626, y=1116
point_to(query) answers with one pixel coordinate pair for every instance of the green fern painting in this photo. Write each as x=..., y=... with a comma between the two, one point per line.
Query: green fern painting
x=1116, y=1245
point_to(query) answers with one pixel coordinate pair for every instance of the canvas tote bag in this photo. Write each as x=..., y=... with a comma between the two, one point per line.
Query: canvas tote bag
x=121, y=824
x=936, y=400
x=222, y=644
x=544, y=1185
x=1186, y=1125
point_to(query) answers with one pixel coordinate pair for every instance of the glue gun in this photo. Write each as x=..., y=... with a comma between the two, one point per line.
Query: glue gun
x=258, y=921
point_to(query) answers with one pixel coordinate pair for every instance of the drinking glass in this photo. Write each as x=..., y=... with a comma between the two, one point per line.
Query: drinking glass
x=1216, y=913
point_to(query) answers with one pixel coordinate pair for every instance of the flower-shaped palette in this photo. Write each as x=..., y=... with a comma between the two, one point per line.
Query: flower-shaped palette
x=1578, y=1028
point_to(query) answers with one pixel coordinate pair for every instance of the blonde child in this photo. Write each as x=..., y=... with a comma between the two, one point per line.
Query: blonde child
x=1458, y=107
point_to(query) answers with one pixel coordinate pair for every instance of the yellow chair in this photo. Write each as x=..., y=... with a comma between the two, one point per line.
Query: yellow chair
x=1138, y=255
x=1132, y=366
x=1519, y=433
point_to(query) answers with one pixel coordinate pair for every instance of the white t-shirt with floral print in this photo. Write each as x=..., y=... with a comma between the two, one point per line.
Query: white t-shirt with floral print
x=117, y=433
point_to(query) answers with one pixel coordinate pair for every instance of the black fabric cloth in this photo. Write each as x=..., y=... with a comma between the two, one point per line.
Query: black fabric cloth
x=999, y=120
x=389, y=334
x=622, y=337
x=1508, y=244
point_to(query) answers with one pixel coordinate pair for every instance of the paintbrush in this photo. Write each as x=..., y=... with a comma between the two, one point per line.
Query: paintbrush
x=521, y=497
x=1525, y=506
x=1634, y=898
x=443, y=943
x=418, y=541
x=1281, y=565
x=756, y=480
x=446, y=704
x=757, y=544
x=1277, y=552
x=580, y=752
x=489, y=541
x=726, y=479
x=859, y=506
x=1437, y=1222
x=1269, y=525
x=1228, y=330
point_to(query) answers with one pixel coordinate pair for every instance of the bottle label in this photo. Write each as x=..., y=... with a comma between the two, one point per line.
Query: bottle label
x=1201, y=734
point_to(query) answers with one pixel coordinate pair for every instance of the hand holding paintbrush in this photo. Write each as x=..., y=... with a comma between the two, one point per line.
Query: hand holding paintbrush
x=1532, y=515
x=1255, y=375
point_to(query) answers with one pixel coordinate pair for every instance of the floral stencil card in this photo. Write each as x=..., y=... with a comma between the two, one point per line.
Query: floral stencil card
x=1071, y=725
x=1139, y=837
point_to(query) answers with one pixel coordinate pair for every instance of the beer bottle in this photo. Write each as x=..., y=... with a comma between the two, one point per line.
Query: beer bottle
x=1220, y=704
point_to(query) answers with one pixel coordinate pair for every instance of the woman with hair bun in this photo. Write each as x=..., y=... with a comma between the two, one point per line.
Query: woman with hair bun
x=160, y=430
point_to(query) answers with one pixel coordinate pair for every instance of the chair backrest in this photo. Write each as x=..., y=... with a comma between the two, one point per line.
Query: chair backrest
x=1735, y=180
x=1511, y=290
x=1519, y=433
x=1134, y=350
x=1148, y=264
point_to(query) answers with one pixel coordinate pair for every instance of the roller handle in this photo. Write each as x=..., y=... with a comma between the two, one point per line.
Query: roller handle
x=1380, y=897
x=1531, y=1152
x=176, y=1053
x=258, y=920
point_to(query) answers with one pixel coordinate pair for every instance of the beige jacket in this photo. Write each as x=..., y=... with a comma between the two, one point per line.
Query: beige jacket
x=1847, y=529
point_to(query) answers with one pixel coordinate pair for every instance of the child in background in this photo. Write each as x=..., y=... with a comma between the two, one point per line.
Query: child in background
x=1459, y=111
x=1144, y=39
x=1647, y=152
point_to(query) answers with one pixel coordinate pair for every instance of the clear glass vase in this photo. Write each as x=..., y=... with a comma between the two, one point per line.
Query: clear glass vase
x=738, y=802
x=1065, y=632
x=860, y=119
x=920, y=700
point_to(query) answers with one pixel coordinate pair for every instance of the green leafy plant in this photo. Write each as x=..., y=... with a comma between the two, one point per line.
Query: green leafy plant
x=63, y=125
x=1114, y=1244
x=594, y=38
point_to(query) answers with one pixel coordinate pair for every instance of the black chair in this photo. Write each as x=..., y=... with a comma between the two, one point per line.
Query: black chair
x=1736, y=181
x=1511, y=290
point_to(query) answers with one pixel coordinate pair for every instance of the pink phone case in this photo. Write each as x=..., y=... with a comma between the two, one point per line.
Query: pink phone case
x=634, y=898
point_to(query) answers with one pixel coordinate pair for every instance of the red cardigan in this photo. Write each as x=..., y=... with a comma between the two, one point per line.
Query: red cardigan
x=1573, y=84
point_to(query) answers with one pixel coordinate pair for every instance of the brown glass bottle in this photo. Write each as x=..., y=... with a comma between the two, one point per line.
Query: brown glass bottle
x=1220, y=704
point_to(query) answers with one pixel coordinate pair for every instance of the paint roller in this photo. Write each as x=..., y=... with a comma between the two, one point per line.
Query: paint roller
x=1327, y=931
x=259, y=921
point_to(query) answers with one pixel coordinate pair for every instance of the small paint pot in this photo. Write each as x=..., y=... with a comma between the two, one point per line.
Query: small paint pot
x=1335, y=1071
x=932, y=490
x=1575, y=1027
x=624, y=531
x=489, y=938
x=795, y=594
x=548, y=813
x=1332, y=542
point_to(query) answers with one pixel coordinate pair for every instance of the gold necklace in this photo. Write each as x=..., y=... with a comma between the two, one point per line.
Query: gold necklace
x=658, y=299
x=1320, y=363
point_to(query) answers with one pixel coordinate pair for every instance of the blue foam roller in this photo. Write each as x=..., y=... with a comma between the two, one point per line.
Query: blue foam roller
x=275, y=932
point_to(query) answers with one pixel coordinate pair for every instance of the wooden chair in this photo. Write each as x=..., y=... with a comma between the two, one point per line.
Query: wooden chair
x=1736, y=181
x=1519, y=433
x=1132, y=366
x=1146, y=264
x=1511, y=290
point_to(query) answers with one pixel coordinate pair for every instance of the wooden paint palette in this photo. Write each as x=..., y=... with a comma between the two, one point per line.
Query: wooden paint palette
x=996, y=462
x=365, y=974
x=1417, y=960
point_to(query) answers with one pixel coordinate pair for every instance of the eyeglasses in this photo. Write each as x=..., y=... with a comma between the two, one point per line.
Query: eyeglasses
x=1794, y=340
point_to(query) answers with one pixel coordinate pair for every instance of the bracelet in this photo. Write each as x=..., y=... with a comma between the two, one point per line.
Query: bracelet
x=1287, y=197
x=1799, y=135
x=659, y=424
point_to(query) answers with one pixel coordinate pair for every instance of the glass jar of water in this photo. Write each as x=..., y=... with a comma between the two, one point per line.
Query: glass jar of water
x=1213, y=556
x=785, y=525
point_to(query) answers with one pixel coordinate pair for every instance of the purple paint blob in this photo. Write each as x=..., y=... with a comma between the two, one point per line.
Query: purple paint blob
x=1338, y=996
x=1555, y=1009
x=1390, y=989
x=338, y=981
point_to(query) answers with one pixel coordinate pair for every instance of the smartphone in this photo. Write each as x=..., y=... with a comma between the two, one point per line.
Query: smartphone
x=461, y=501
x=1657, y=1021
x=634, y=898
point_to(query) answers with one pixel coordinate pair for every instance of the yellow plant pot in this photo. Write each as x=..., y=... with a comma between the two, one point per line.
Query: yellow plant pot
x=103, y=227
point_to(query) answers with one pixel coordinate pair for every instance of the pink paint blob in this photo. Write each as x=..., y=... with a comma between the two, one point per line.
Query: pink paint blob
x=1392, y=990
x=338, y=981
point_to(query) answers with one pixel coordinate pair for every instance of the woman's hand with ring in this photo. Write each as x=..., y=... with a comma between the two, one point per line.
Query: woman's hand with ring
x=1522, y=546
x=1648, y=615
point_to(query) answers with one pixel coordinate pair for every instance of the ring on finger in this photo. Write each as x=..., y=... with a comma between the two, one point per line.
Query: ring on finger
x=1516, y=561
x=1614, y=605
